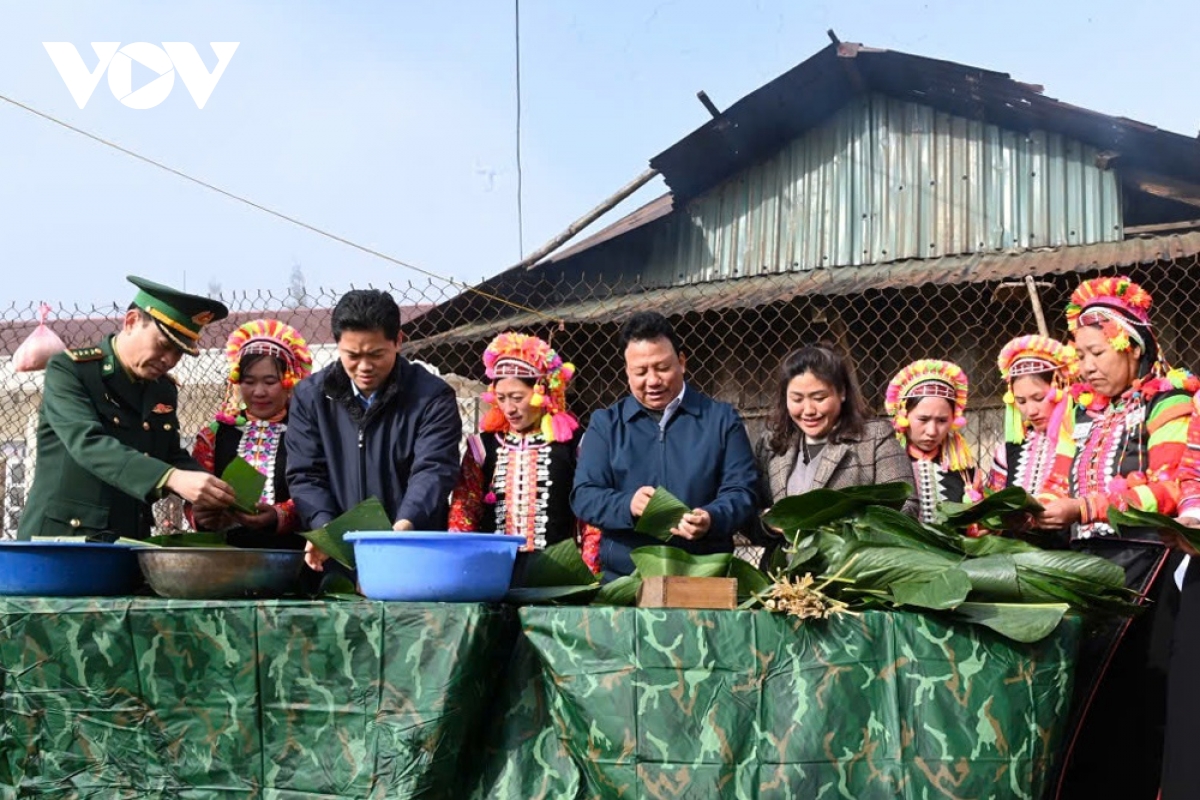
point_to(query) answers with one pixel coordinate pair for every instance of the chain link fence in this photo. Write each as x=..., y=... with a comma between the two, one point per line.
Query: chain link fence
x=734, y=333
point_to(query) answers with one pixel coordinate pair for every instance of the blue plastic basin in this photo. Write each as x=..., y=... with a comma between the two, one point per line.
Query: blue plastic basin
x=68, y=569
x=423, y=566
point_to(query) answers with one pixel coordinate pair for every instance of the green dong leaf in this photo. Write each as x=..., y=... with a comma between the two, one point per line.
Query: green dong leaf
x=996, y=505
x=1018, y=621
x=247, y=484
x=369, y=515
x=1135, y=518
x=662, y=513
x=812, y=509
x=659, y=560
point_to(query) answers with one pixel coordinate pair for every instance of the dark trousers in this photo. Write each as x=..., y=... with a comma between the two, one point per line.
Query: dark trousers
x=1115, y=733
x=1181, y=756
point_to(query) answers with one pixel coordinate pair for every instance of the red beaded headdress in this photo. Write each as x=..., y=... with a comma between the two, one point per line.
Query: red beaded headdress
x=516, y=355
x=1037, y=355
x=931, y=377
x=268, y=337
x=1117, y=305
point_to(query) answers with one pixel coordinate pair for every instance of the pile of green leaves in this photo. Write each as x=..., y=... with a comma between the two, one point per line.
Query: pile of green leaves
x=559, y=575
x=867, y=554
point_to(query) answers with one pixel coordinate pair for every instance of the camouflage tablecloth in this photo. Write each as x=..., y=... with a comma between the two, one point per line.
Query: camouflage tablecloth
x=145, y=698
x=694, y=704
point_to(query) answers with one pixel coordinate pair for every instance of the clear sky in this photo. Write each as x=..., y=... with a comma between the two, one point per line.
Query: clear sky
x=393, y=123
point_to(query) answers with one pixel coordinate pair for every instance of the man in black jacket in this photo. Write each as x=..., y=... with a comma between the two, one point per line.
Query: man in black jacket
x=372, y=425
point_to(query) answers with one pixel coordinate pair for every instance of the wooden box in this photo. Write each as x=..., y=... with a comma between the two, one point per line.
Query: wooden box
x=675, y=591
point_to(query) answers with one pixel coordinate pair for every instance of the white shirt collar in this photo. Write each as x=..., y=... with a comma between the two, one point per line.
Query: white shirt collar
x=671, y=408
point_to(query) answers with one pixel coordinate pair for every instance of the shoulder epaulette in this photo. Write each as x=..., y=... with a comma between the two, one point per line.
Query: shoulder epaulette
x=85, y=354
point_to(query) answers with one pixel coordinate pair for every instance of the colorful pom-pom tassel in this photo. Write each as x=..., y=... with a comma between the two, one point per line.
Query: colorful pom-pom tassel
x=564, y=426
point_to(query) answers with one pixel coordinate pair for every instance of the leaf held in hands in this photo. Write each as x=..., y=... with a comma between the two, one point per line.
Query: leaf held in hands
x=662, y=513
x=369, y=515
x=247, y=484
x=995, y=505
x=1136, y=518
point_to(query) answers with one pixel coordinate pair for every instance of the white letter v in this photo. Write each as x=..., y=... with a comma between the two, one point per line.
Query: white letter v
x=198, y=80
x=80, y=83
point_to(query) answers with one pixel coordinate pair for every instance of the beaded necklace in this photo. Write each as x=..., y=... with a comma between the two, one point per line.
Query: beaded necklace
x=520, y=484
x=259, y=445
x=1034, y=462
x=1105, y=441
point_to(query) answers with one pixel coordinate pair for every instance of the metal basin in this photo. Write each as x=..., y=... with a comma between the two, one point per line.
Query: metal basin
x=220, y=573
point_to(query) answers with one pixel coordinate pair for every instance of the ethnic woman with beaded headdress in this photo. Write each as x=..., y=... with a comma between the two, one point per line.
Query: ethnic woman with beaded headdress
x=1131, y=424
x=1037, y=372
x=516, y=476
x=927, y=401
x=1130, y=435
x=266, y=359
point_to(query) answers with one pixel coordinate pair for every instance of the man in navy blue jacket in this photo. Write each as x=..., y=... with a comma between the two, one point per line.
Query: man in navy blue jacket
x=372, y=425
x=664, y=434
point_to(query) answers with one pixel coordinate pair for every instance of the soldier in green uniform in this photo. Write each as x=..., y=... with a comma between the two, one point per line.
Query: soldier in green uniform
x=108, y=432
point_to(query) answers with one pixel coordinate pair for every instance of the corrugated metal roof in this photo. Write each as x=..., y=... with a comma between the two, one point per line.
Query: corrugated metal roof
x=763, y=121
x=887, y=180
x=757, y=291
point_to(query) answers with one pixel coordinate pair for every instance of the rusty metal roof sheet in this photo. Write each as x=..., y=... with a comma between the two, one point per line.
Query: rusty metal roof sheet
x=657, y=208
x=805, y=96
x=764, y=290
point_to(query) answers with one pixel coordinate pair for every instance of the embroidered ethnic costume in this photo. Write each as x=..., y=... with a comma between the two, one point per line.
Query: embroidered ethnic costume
x=236, y=432
x=520, y=483
x=1027, y=457
x=947, y=474
x=1129, y=447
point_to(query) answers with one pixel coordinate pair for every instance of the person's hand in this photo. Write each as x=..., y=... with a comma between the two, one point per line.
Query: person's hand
x=1173, y=539
x=201, y=489
x=694, y=524
x=1020, y=521
x=315, y=557
x=267, y=518
x=1058, y=514
x=211, y=519
x=402, y=525
x=637, y=506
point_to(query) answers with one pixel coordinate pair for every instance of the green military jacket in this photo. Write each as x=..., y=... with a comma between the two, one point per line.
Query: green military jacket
x=105, y=442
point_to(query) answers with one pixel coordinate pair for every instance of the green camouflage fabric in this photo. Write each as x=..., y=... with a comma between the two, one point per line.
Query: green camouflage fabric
x=282, y=700
x=724, y=704
x=523, y=755
x=287, y=700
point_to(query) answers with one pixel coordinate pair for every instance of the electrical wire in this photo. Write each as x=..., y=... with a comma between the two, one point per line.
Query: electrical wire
x=277, y=214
